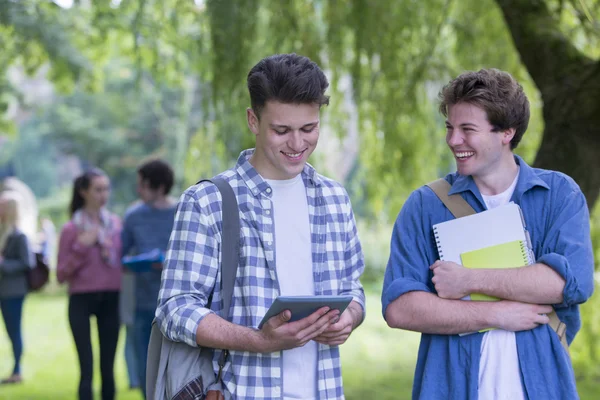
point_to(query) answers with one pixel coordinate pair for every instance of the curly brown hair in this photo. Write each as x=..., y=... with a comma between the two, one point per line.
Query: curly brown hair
x=494, y=91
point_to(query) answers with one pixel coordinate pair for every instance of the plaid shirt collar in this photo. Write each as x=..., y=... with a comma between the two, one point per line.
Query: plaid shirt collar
x=256, y=183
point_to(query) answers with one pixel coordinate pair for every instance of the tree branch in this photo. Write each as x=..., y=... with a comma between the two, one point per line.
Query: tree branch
x=540, y=42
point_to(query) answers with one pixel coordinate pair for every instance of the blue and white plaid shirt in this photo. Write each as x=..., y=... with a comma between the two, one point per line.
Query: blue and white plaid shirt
x=192, y=268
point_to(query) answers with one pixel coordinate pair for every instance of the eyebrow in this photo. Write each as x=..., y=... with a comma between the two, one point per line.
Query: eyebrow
x=277, y=126
x=466, y=124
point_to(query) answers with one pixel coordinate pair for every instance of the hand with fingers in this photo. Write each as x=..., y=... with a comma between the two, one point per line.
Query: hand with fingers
x=515, y=316
x=338, y=332
x=450, y=279
x=279, y=334
x=89, y=237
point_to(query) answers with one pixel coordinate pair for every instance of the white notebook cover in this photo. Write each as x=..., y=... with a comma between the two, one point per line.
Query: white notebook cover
x=488, y=228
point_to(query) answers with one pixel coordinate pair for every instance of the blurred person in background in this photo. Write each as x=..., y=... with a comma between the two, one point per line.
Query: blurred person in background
x=147, y=226
x=15, y=259
x=89, y=261
x=46, y=238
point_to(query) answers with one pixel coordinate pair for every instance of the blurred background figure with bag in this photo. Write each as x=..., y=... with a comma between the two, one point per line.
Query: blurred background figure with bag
x=16, y=259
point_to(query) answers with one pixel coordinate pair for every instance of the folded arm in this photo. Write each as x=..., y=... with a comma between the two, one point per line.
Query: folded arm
x=427, y=313
x=535, y=284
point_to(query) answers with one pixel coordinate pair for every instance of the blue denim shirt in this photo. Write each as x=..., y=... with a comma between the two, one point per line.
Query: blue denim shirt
x=557, y=218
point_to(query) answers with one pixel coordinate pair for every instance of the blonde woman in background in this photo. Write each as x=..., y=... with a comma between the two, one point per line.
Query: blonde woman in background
x=15, y=259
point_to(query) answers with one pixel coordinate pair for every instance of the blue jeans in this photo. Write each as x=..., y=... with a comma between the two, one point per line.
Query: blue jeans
x=130, y=357
x=142, y=328
x=12, y=310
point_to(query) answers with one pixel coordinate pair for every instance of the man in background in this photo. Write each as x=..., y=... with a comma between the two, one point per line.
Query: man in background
x=147, y=226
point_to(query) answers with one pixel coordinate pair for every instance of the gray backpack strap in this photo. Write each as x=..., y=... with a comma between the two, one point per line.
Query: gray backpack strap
x=460, y=208
x=230, y=250
x=230, y=247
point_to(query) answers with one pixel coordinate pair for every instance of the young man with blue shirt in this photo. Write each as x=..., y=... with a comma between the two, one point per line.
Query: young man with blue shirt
x=522, y=358
x=298, y=237
x=147, y=226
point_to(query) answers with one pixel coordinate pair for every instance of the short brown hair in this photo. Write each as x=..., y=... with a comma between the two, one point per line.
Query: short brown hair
x=494, y=91
x=286, y=78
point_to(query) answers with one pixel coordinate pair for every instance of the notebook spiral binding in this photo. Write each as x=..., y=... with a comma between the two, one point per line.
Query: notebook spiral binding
x=527, y=251
x=438, y=244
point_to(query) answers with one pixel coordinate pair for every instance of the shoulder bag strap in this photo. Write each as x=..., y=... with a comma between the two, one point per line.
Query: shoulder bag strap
x=230, y=249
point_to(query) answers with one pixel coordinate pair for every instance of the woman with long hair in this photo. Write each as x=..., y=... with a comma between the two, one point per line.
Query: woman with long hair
x=15, y=259
x=89, y=261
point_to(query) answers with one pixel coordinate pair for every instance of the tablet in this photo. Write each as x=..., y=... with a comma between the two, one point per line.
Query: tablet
x=303, y=306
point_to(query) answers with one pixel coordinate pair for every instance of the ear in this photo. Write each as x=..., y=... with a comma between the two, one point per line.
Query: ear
x=508, y=135
x=252, y=120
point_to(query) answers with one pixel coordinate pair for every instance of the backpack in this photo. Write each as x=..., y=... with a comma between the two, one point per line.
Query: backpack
x=37, y=277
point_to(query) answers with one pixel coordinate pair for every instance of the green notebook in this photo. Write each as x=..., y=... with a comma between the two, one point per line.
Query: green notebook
x=506, y=255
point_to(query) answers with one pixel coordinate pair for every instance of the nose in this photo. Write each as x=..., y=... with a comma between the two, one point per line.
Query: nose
x=454, y=137
x=296, y=141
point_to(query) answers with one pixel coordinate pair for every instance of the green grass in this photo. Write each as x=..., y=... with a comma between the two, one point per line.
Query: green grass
x=376, y=359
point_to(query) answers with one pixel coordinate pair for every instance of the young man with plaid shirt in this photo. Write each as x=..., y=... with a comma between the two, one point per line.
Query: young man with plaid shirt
x=298, y=237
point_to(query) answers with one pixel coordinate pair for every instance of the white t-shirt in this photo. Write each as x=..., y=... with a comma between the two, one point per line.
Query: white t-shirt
x=295, y=277
x=499, y=372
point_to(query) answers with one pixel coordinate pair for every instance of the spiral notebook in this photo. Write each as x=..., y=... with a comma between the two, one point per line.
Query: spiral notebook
x=506, y=255
x=488, y=228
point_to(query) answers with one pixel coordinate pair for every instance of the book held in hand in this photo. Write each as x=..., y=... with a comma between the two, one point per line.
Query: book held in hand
x=143, y=262
x=506, y=255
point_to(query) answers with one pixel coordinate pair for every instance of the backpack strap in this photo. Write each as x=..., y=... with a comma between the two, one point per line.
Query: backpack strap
x=230, y=250
x=454, y=203
x=230, y=246
x=460, y=208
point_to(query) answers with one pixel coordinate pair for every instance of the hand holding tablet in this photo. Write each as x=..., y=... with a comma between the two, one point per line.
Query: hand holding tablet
x=303, y=306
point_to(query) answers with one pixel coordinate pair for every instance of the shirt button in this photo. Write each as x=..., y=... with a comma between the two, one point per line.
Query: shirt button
x=268, y=190
x=255, y=191
x=269, y=243
x=268, y=212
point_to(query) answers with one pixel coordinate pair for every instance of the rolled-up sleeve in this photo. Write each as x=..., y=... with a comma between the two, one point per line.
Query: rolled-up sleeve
x=408, y=266
x=354, y=261
x=190, y=268
x=567, y=248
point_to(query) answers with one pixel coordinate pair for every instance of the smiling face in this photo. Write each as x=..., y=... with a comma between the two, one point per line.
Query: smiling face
x=478, y=149
x=286, y=135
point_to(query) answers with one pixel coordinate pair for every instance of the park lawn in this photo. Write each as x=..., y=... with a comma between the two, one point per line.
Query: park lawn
x=376, y=359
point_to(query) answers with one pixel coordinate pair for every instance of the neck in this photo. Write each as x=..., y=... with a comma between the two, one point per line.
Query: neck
x=162, y=201
x=500, y=178
x=254, y=160
x=93, y=212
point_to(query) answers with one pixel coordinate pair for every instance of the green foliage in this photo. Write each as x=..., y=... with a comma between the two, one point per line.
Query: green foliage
x=114, y=130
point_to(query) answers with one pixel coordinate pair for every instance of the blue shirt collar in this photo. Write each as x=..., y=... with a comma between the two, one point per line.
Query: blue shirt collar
x=527, y=180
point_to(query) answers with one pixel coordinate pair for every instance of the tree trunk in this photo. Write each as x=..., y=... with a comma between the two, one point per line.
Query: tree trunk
x=569, y=83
